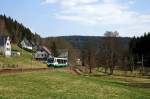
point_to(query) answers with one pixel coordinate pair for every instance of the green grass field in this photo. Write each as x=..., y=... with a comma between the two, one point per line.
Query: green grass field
x=24, y=60
x=64, y=85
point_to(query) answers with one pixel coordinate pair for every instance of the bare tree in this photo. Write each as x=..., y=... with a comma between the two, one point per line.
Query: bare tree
x=89, y=55
x=110, y=50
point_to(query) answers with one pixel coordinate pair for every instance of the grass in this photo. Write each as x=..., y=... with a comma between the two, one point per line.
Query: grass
x=117, y=72
x=63, y=85
x=24, y=60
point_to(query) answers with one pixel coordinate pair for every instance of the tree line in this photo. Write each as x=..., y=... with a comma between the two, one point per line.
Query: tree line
x=16, y=30
x=140, y=50
x=107, y=55
x=112, y=55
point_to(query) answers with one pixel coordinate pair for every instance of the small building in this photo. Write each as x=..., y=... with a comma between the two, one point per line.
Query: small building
x=5, y=46
x=42, y=53
x=15, y=53
x=26, y=44
x=78, y=62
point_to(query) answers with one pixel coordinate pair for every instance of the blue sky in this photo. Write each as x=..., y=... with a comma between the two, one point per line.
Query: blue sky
x=80, y=17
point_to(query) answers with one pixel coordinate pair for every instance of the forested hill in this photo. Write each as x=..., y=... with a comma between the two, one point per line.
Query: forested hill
x=79, y=41
x=16, y=30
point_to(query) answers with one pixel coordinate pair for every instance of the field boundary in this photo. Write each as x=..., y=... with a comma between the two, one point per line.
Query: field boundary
x=51, y=69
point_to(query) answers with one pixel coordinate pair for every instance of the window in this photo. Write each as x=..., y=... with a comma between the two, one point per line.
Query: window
x=61, y=61
x=8, y=49
x=7, y=43
x=50, y=60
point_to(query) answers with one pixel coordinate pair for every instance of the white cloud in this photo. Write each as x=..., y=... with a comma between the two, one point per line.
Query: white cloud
x=136, y=30
x=93, y=11
x=108, y=1
x=131, y=2
x=49, y=1
x=101, y=12
x=76, y=18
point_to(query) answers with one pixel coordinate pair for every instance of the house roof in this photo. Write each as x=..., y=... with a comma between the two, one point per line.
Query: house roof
x=44, y=48
x=3, y=40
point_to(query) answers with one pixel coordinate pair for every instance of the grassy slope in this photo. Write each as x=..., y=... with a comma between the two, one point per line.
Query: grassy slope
x=60, y=85
x=24, y=60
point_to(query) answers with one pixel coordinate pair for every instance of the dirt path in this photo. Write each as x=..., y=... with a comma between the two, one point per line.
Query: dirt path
x=21, y=70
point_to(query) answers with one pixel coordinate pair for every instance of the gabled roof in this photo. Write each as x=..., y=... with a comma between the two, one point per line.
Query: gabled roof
x=44, y=48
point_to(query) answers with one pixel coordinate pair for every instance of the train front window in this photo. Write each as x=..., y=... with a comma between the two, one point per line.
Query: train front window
x=50, y=60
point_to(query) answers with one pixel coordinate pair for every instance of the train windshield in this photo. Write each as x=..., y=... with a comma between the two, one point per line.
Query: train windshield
x=50, y=60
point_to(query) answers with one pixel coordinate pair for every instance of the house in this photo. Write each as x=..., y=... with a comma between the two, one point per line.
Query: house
x=78, y=62
x=26, y=44
x=5, y=46
x=63, y=53
x=42, y=53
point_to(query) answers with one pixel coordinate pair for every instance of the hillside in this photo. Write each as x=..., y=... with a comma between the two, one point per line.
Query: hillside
x=17, y=31
x=79, y=41
x=23, y=61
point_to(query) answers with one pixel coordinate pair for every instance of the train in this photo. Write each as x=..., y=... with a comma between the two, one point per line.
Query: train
x=57, y=62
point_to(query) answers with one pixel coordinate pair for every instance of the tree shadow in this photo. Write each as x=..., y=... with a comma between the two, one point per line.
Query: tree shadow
x=135, y=85
x=125, y=83
x=139, y=85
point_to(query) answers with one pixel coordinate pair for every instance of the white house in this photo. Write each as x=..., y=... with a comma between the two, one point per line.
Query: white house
x=26, y=44
x=42, y=53
x=5, y=46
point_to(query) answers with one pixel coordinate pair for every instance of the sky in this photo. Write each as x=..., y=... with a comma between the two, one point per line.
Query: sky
x=80, y=17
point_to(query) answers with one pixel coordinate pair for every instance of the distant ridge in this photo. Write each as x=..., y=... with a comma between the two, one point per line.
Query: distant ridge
x=79, y=41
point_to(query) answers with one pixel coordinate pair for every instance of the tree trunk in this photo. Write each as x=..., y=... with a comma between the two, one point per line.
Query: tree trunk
x=142, y=69
x=90, y=69
x=111, y=70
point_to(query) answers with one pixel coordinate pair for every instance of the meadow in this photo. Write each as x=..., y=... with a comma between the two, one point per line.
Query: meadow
x=66, y=85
